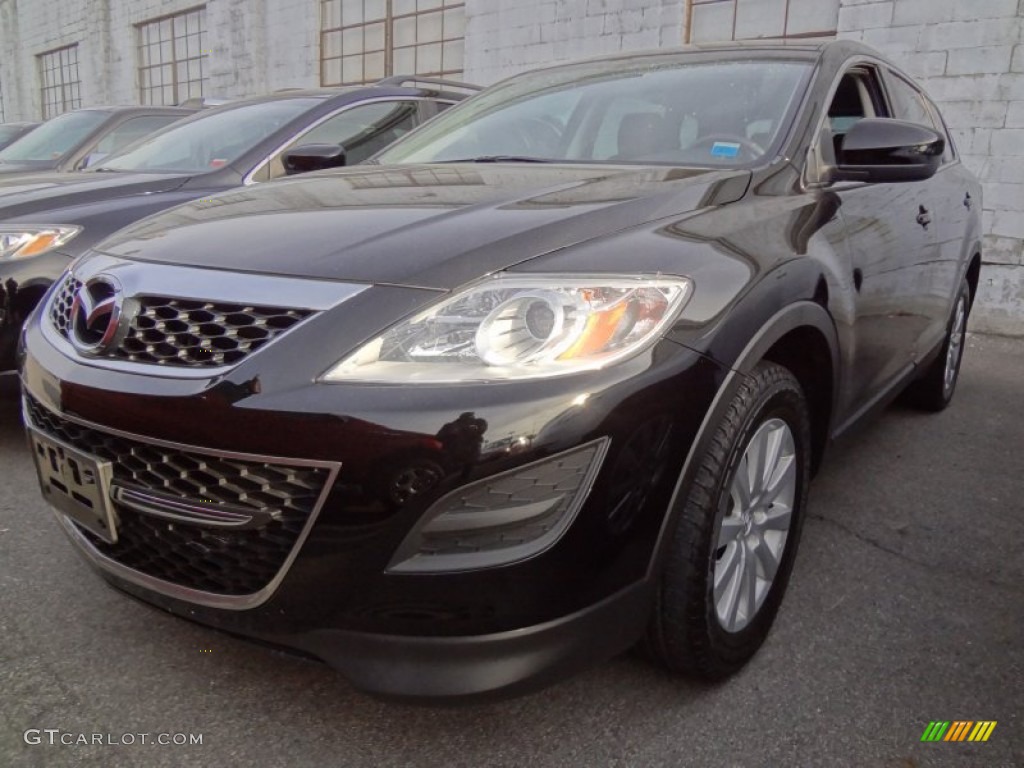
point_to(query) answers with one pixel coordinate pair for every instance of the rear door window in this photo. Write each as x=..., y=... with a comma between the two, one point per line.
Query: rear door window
x=913, y=106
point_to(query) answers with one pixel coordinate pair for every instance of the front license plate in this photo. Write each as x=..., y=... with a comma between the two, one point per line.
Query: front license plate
x=75, y=483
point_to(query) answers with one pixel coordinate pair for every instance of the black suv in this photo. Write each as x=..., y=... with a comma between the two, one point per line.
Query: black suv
x=544, y=379
x=48, y=219
x=76, y=140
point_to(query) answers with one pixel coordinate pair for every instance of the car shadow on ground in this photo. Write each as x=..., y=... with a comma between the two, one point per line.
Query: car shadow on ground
x=10, y=406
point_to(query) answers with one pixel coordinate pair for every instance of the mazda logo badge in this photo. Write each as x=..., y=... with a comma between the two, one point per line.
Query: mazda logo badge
x=96, y=314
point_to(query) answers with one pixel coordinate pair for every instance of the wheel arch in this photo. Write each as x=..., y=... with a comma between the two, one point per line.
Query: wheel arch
x=973, y=274
x=802, y=337
x=783, y=338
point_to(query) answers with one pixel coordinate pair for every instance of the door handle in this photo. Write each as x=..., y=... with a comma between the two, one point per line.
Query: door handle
x=967, y=201
x=923, y=217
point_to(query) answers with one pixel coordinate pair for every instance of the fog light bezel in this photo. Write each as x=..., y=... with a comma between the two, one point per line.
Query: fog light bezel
x=410, y=558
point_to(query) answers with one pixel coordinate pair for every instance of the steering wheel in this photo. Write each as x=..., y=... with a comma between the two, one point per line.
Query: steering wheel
x=531, y=136
x=752, y=148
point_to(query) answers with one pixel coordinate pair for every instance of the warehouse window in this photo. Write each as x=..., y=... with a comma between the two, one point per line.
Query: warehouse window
x=714, y=20
x=58, y=72
x=364, y=40
x=172, y=57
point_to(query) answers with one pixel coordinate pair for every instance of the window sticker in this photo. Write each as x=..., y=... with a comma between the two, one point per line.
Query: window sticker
x=725, y=149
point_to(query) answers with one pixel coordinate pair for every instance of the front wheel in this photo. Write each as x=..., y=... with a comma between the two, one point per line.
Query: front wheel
x=736, y=537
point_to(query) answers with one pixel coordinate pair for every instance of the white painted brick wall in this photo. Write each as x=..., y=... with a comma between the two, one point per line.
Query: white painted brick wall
x=504, y=37
x=255, y=46
x=969, y=56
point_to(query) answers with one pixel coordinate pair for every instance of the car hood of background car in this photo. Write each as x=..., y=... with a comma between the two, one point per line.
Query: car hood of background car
x=22, y=196
x=436, y=226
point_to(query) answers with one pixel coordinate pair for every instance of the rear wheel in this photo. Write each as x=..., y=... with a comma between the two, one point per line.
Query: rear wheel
x=935, y=389
x=736, y=537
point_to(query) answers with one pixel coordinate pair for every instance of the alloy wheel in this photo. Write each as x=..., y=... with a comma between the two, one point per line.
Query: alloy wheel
x=955, y=348
x=755, y=524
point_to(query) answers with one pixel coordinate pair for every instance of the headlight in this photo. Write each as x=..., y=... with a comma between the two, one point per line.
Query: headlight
x=511, y=327
x=23, y=242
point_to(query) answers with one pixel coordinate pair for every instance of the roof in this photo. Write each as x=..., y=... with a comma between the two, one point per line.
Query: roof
x=802, y=48
x=391, y=85
x=116, y=108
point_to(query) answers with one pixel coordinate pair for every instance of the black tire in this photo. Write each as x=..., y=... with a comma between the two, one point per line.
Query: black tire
x=685, y=633
x=933, y=392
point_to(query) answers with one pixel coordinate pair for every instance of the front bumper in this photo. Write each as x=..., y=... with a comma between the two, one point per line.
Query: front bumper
x=492, y=630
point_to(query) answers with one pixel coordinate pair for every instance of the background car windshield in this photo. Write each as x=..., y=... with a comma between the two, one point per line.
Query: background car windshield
x=54, y=138
x=210, y=140
x=657, y=112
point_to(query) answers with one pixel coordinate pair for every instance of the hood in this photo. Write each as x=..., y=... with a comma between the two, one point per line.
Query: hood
x=436, y=226
x=23, y=196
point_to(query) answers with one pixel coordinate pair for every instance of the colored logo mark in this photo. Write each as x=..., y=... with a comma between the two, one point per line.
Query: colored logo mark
x=958, y=730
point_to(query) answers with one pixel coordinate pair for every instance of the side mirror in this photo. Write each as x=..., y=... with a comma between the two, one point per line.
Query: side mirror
x=880, y=149
x=313, y=157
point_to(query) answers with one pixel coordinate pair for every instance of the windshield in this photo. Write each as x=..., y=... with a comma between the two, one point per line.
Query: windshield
x=54, y=138
x=210, y=140
x=658, y=110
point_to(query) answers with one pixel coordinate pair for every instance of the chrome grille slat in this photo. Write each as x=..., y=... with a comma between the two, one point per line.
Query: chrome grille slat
x=216, y=561
x=181, y=332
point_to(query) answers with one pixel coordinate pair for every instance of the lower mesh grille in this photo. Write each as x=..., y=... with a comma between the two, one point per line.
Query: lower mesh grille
x=221, y=562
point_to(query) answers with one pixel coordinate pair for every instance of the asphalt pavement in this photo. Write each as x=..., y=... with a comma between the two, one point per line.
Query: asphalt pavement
x=906, y=606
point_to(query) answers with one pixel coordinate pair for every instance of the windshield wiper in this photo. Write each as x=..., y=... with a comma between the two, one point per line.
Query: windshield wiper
x=499, y=159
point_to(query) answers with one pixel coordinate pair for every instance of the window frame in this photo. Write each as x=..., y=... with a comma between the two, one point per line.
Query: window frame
x=893, y=75
x=690, y=4
x=176, y=18
x=388, y=22
x=64, y=103
x=814, y=161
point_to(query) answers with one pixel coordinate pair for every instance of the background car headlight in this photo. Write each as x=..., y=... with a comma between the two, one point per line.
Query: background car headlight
x=22, y=242
x=511, y=327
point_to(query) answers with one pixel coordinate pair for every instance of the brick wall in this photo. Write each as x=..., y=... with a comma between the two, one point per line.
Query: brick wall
x=255, y=46
x=504, y=37
x=969, y=56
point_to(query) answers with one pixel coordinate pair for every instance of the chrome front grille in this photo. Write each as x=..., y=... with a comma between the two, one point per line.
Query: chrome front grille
x=189, y=333
x=201, y=333
x=60, y=307
x=205, y=558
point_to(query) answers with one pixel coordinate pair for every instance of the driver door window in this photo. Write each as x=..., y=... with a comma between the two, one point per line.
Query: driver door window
x=124, y=134
x=858, y=96
x=363, y=131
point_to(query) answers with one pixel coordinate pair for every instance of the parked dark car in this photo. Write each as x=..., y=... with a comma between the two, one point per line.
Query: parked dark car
x=594, y=327
x=75, y=140
x=48, y=219
x=10, y=132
